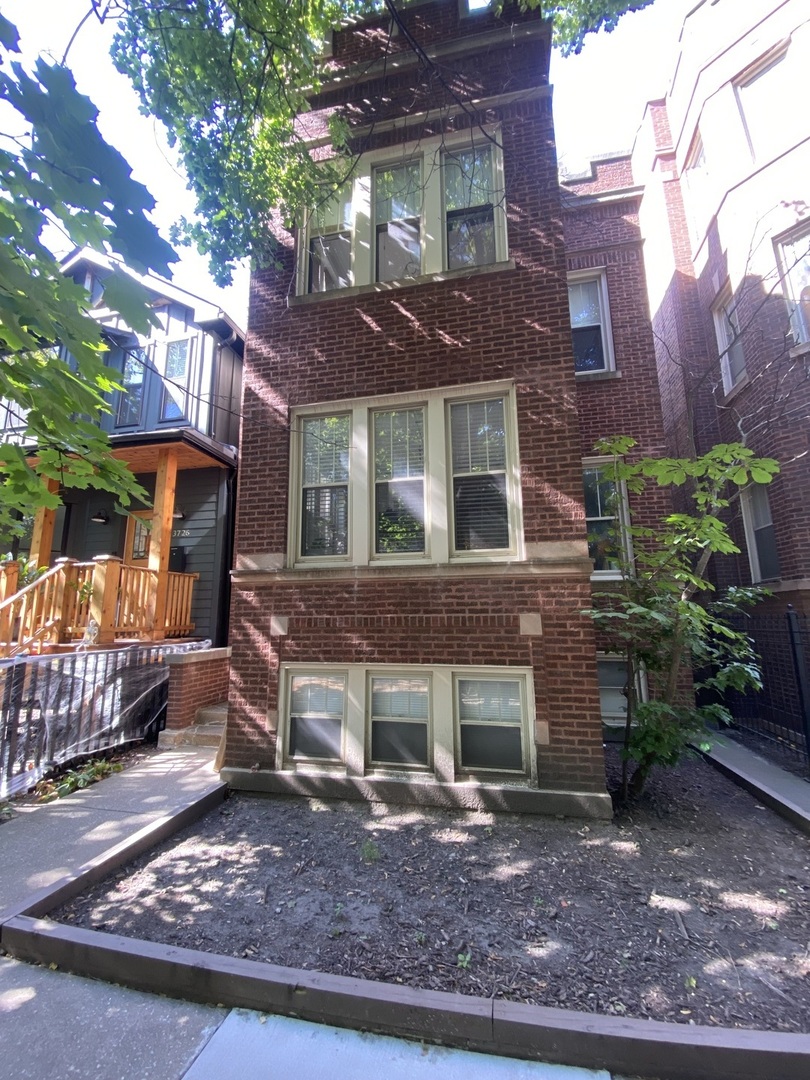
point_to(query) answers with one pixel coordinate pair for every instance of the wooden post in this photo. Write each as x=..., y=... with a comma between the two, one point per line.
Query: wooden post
x=9, y=576
x=42, y=536
x=66, y=600
x=104, y=601
x=161, y=539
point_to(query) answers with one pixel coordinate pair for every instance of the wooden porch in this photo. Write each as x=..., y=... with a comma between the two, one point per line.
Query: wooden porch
x=102, y=601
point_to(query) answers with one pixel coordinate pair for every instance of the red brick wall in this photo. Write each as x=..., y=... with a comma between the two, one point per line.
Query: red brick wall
x=508, y=324
x=192, y=686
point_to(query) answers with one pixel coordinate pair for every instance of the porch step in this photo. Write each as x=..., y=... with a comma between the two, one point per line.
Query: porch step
x=205, y=731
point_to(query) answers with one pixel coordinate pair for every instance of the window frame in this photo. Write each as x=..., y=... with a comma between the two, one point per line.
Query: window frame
x=622, y=516
x=433, y=224
x=760, y=150
x=184, y=388
x=444, y=737
x=724, y=314
x=613, y=719
x=145, y=359
x=798, y=307
x=373, y=673
x=750, y=530
x=599, y=276
x=438, y=480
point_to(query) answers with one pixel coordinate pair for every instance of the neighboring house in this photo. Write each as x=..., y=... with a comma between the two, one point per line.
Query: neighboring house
x=412, y=555
x=724, y=159
x=175, y=422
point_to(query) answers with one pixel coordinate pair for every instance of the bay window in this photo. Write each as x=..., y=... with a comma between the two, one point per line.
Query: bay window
x=417, y=477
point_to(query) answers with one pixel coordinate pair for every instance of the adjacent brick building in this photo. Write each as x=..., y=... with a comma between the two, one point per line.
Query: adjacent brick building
x=412, y=554
x=724, y=160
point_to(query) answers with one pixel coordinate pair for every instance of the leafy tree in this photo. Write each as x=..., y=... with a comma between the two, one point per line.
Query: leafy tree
x=61, y=183
x=664, y=616
x=228, y=77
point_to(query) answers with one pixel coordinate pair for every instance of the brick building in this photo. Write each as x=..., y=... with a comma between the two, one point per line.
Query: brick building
x=724, y=160
x=412, y=557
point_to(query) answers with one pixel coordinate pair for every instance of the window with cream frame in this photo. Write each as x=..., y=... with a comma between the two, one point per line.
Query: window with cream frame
x=446, y=722
x=431, y=207
x=607, y=518
x=729, y=339
x=427, y=478
x=591, y=332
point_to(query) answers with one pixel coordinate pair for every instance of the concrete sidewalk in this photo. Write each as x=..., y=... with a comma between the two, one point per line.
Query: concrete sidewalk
x=60, y=1025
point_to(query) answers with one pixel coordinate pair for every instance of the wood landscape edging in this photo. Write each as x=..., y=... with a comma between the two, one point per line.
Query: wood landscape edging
x=648, y=1048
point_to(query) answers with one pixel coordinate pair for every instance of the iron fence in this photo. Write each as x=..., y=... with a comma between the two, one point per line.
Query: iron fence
x=54, y=709
x=779, y=714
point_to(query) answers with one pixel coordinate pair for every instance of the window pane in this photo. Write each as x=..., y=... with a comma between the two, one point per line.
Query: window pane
x=399, y=698
x=766, y=553
x=398, y=192
x=330, y=262
x=334, y=213
x=399, y=465
x=756, y=98
x=399, y=253
x=400, y=517
x=316, y=716
x=583, y=303
x=491, y=747
x=478, y=434
x=130, y=399
x=468, y=180
x=612, y=685
x=175, y=381
x=325, y=525
x=601, y=519
x=470, y=238
x=488, y=700
x=589, y=353
x=480, y=513
x=399, y=744
x=326, y=449
x=796, y=267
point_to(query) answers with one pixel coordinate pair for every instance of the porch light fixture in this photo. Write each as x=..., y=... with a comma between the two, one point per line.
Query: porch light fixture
x=179, y=514
x=101, y=517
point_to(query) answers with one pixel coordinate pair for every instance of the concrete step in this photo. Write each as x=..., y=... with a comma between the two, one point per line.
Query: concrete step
x=213, y=714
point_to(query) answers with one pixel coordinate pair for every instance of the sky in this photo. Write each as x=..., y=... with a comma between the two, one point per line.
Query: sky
x=599, y=99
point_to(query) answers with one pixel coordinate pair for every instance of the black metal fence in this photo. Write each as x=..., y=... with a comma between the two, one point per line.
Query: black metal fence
x=54, y=709
x=779, y=714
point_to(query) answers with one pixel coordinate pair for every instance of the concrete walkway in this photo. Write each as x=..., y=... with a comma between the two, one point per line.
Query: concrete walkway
x=59, y=1025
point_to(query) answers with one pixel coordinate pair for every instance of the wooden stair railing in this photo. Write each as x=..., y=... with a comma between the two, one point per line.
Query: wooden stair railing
x=58, y=606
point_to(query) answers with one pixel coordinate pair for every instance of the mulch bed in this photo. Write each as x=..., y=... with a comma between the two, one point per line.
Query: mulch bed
x=691, y=907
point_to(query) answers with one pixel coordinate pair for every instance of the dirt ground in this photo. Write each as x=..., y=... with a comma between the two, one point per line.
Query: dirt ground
x=692, y=907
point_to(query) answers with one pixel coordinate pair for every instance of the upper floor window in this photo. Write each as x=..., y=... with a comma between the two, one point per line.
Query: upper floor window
x=759, y=533
x=761, y=93
x=469, y=185
x=330, y=243
x=590, y=322
x=794, y=264
x=397, y=221
x=425, y=478
x=439, y=207
x=729, y=339
x=130, y=397
x=176, y=375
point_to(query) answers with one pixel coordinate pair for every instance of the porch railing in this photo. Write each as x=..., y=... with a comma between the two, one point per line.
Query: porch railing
x=61, y=605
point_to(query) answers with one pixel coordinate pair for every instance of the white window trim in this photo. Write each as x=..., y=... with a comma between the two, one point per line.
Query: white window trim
x=599, y=275
x=433, y=229
x=444, y=746
x=624, y=520
x=438, y=480
x=724, y=301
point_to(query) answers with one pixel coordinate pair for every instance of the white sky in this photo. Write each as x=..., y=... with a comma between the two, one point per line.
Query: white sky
x=599, y=97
